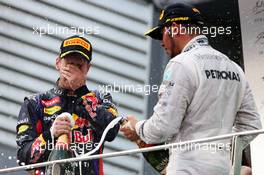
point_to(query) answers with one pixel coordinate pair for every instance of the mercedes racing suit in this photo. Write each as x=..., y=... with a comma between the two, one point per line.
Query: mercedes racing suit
x=35, y=119
x=203, y=94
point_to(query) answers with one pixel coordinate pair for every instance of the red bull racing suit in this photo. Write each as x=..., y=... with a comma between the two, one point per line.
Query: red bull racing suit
x=35, y=119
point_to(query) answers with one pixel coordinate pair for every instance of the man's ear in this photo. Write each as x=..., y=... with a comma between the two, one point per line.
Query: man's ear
x=175, y=29
x=58, y=63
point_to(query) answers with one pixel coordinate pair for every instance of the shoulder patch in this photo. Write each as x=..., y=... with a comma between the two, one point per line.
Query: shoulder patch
x=167, y=75
x=22, y=128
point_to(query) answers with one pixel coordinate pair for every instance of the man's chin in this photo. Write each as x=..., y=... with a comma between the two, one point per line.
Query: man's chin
x=65, y=84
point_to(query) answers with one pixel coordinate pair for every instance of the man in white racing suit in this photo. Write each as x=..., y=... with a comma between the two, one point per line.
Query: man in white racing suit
x=203, y=94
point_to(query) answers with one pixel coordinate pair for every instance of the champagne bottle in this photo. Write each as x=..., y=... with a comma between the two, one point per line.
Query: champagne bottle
x=61, y=151
x=157, y=159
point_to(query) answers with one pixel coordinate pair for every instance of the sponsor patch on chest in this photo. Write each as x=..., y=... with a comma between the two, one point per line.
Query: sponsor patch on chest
x=51, y=102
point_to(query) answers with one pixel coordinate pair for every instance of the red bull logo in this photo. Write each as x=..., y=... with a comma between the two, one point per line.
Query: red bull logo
x=92, y=102
x=80, y=122
x=80, y=138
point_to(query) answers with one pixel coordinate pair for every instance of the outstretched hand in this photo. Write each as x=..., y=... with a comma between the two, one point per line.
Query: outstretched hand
x=129, y=129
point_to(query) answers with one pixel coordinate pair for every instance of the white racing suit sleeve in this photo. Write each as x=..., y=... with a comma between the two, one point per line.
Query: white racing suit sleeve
x=175, y=95
x=247, y=116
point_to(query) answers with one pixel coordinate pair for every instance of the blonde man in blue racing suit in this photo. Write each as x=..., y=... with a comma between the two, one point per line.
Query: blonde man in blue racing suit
x=92, y=111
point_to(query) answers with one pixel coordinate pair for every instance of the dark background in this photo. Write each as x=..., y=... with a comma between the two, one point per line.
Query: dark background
x=225, y=13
